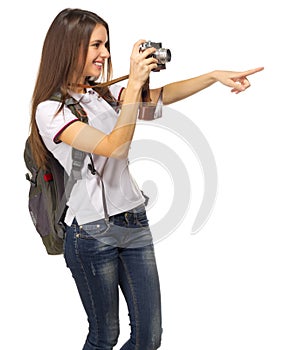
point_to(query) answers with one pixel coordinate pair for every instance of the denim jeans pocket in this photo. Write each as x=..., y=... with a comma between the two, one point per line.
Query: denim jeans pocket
x=93, y=230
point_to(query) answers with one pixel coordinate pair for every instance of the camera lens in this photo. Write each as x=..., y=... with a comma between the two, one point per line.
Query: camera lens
x=168, y=55
x=163, y=55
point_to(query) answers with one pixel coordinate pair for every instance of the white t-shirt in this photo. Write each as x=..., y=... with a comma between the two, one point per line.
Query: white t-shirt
x=85, y=202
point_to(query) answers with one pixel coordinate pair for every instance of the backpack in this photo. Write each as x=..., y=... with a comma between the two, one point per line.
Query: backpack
x=50, y=188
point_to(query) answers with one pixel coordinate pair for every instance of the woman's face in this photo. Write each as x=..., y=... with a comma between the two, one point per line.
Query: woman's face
x=97, y=52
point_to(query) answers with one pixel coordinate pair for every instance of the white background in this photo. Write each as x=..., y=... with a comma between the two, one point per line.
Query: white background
x=222, y=288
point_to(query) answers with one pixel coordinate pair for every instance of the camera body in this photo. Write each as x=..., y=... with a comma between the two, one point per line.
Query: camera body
x=162, y=55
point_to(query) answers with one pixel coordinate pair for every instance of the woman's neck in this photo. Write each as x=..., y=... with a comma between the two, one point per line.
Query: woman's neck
x=77, y=88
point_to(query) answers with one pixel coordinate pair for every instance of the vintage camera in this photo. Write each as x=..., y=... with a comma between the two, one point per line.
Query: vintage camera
x=162, y=55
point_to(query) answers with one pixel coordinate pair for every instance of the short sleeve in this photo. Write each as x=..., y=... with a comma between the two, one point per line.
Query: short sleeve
x=49, y=123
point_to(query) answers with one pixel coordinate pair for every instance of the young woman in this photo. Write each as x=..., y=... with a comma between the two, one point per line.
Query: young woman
x=105, y=254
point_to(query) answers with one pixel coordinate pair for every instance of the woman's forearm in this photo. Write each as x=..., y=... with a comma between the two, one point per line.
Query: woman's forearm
x=179, y=90
x=118, y=141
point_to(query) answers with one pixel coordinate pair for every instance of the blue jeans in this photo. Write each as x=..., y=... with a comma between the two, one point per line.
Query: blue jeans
x=103, y=257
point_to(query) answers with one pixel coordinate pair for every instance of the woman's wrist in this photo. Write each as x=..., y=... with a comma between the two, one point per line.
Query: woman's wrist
x=214, y=76
x=133, y=92
x=134, y=85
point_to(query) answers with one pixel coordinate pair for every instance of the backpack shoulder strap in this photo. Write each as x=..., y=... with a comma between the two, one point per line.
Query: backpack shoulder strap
x=73, y=105
x=78, y=157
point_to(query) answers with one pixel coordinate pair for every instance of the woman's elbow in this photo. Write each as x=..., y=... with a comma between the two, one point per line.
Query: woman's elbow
x=117, y=152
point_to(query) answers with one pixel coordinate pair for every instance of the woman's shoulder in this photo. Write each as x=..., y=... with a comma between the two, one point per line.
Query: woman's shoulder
x=48, y=105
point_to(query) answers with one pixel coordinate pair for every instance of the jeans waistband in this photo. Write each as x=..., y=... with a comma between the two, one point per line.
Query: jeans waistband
x=139, y=209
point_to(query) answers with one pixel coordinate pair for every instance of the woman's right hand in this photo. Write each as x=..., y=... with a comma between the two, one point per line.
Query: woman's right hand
x=140, y=64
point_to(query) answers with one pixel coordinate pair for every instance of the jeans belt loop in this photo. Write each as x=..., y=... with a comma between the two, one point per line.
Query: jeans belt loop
x=126, y=217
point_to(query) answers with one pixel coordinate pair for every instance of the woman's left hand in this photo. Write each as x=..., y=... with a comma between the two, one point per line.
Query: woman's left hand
x=236, y=80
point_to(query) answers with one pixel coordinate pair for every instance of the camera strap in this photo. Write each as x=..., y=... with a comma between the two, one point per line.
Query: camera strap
x=145, y=89
x=105, y=84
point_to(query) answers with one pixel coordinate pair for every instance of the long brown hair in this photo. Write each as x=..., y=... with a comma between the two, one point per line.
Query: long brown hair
x=70, y=30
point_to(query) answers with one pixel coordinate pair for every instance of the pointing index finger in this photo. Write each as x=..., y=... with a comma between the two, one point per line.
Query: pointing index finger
x=251, y=71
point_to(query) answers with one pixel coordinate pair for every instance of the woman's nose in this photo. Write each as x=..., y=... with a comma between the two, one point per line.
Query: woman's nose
x=105, y=53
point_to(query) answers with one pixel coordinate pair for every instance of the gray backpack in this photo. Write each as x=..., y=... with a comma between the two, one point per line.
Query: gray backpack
x=50, y=188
